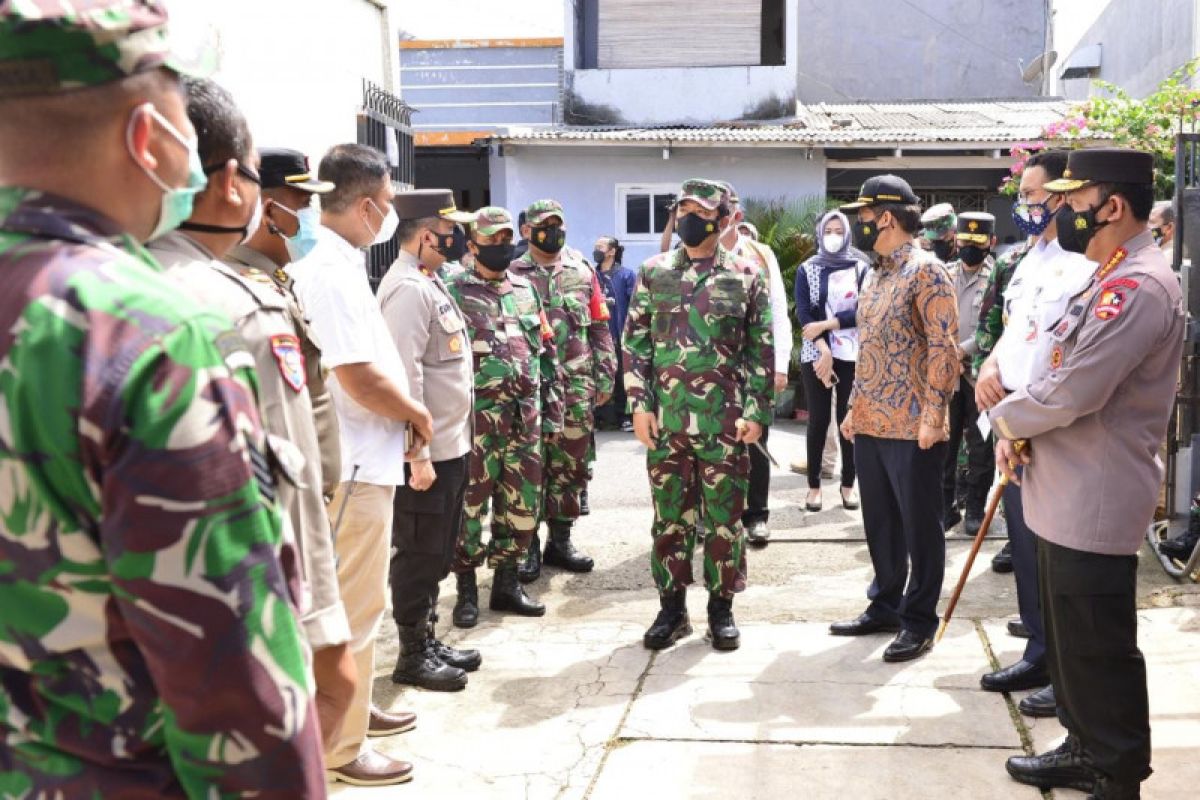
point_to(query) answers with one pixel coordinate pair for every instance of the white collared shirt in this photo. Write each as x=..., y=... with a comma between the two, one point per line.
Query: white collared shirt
x=1037, y=297
x=347, y=325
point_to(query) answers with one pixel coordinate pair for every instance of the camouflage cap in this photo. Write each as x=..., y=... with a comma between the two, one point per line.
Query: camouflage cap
x=708, y=193
x=729, y=190
x=48, y=47
x=938, y=221
x=490, y=220
x=542, y=210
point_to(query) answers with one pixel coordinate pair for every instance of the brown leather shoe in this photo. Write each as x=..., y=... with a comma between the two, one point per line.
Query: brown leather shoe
x=384, y=723
x=373, y=769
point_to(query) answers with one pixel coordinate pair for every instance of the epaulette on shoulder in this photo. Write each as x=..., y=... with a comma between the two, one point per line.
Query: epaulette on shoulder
x=255, y=275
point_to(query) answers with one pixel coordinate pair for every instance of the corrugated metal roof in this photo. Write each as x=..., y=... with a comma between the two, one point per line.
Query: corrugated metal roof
x=841, y=124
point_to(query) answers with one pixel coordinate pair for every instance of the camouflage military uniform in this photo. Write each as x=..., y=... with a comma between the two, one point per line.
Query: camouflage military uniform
x=140, y=549
x=449, y=269
x=698, y=353
x=578, y=315
x=516, y=402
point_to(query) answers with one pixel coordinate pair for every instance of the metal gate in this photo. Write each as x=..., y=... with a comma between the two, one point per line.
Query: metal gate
x=385, y=123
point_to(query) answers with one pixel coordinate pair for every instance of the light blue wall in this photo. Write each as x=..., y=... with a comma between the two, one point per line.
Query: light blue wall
x=583, y=178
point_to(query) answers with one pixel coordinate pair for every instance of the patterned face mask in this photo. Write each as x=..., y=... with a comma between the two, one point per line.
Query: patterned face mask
x=1031, y=219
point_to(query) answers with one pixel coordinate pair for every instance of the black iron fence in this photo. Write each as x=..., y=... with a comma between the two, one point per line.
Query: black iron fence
x=385, y=123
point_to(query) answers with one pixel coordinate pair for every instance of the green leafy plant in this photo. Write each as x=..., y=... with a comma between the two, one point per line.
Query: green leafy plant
x=1148, y=124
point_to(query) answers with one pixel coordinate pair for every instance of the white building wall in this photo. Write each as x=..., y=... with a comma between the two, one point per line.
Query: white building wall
x=295, y=67
x=585, y=180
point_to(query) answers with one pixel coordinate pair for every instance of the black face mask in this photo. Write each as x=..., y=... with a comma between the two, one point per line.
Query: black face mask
x=943, y=249
x=598, y=257
x=694, y=229
x=972, y=254
x=549, y=239
x=866, y=234
x=452, y=245
x=1076, y=228
x=496, y=257
x=1158, y=235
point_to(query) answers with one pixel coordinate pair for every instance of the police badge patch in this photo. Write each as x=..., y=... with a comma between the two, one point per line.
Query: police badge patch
x=1056, y=357
x=286, y=348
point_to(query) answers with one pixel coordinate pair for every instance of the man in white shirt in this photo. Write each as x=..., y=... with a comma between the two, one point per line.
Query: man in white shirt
x=370, y=394
x=1037, y=296
x=755, y=517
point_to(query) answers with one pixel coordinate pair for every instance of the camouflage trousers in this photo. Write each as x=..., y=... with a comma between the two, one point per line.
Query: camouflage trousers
x=567, y=463
x=505, y=472
x=694, y=478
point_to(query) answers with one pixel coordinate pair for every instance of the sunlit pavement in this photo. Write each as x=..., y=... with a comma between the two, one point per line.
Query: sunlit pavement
x=572, y=706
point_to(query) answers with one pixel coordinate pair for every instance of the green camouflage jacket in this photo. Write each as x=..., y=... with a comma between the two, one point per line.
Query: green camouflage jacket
x=148, y=639
x=697, y=343
x=516, y=362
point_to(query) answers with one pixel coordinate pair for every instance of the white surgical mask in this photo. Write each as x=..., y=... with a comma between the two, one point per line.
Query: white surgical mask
x=833, y=242
x=255, y=221
x=387, y=229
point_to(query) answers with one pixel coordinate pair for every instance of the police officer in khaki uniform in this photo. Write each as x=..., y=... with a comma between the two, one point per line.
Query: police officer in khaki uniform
x=223, y=214
x=430, y=335
x=1093, y=423
x=288, y=188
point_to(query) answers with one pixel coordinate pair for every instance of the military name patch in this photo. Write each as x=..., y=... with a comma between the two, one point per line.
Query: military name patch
x=286, y=349
x=1056, y=357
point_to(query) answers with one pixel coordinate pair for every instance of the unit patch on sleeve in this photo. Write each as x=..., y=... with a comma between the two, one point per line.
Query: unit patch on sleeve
x=286, y=348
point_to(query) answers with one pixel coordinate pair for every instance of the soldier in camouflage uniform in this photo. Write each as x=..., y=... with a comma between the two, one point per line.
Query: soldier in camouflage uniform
x=516, y=404
x=578, y=314
x=147, y=621
x=938, y=226
x=699, y=361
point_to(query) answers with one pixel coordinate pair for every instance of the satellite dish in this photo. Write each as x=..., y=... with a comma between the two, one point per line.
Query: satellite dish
x=1039, y=66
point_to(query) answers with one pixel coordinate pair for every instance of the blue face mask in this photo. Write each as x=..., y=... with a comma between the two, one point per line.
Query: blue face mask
x=1032, y=219
x=305, y=240
x=177, y=202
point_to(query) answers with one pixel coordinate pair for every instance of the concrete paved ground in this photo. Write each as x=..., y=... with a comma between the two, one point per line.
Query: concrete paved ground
x=571, y=706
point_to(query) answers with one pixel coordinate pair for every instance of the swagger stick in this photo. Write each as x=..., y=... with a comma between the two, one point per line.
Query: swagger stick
x=1018, y=446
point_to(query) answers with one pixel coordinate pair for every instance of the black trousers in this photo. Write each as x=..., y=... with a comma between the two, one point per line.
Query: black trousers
x=980, y=459
x=1025, y=570
x=759, y=486
x=902, y=514
x=1090, y=604
x=613, y=412
x=425, y=528
x=818, y=397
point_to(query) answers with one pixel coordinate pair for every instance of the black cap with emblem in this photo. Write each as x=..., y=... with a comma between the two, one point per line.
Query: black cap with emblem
x=883, y=189
x=422, y=203
x=282, y=167
x=1104, y=165
x=975, y=227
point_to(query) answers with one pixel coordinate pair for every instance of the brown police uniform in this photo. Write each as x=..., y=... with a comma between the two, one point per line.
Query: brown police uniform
x=1094, y=423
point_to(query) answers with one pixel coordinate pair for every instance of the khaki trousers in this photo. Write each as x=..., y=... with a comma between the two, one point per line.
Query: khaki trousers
x=362, y=548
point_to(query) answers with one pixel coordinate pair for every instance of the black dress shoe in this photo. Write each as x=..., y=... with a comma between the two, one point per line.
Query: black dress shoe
x=906, y=647
x=952, y=518
x=758, y=534
x=1021, y=675
x=1018, y=629
x=1042, y=704
x=972, y=524
x=1002, y=561
x=1066, y=767
x=863, y=626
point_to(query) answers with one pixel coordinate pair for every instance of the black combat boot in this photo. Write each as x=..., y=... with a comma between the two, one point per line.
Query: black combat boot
x=1068, y=766
x=561, y=553
x=531, y=568
x=466, y=607
x=418, y=665
x=721, y=627
x=466, y=660
x=585, y=507
x=672, y=622
x=509, y=595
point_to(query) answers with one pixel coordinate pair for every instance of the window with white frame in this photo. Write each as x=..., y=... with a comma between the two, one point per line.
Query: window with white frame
x=643, y=209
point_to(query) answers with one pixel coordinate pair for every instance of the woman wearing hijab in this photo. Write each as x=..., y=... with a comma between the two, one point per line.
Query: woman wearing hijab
x=826, y=303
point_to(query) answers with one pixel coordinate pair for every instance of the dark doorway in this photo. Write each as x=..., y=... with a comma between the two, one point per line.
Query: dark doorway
x=461, y=169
